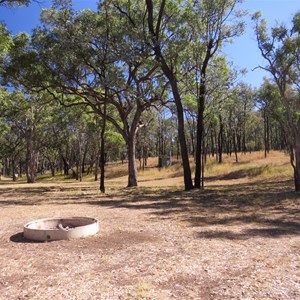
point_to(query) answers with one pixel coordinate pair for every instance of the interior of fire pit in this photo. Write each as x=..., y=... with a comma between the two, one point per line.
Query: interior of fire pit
x=61, y=228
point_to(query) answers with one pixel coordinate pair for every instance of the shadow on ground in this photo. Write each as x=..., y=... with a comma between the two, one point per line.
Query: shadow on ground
x=268, y=209
x=271, y=209
x=19, y=238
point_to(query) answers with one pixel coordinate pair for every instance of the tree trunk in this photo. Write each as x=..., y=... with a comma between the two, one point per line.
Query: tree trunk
x=84, y=158
x=297, y=163
x=212, y=142
x=30, y=158
x=132, y=170
x=244, y=130
x=200, y=129
x=66, y=166
x=13, y=170
x=96, y=166
x=169, y=73
x=266, y=133
x=187, y=176
x=220, y=139
x=102, y=152
x=52, y=167
x=200, y=116
x=235, y=148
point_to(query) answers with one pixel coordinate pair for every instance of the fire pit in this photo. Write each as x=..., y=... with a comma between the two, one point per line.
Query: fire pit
x=61, y=228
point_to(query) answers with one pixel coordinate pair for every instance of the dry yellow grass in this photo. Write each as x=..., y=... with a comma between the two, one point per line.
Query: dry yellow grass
x=251, y=167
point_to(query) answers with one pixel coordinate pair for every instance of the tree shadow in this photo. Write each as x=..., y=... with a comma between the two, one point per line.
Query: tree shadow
x=247, y=234
x=271, y=208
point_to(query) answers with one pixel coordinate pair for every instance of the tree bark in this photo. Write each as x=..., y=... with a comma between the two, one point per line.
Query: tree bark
x=102, y=152
x=132, y=170
x=297, y=162
x=220, y=140
x=30, y=157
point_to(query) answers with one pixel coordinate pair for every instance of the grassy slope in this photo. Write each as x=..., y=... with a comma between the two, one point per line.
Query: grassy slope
x=252, y=167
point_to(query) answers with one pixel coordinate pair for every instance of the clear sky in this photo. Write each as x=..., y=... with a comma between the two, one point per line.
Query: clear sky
x=243, y=52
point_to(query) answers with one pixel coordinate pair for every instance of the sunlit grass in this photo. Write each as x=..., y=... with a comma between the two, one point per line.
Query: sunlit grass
x=253, y=166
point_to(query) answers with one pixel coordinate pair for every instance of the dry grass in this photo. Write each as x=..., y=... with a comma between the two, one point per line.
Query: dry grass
x=237, y=239
x=251, y=167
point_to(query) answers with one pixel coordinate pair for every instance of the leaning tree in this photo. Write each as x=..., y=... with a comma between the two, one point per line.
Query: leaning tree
x=280, y=47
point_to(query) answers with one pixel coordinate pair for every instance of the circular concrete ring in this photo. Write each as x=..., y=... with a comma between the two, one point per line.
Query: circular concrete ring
x=60, y=228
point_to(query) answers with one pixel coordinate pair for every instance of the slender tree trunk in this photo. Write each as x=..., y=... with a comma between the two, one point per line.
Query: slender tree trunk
x=30, y=158
x=102, y=152
x=244, y=130
x=212, y=141
x=297, y=162
x=268, y=135
x=84, y=159
x=200, y=116
x=96, y=166
x=220, y=139
x=200, y=129
x=203, y=159
x=265, y=131
x=13, y=169
x=235, y=147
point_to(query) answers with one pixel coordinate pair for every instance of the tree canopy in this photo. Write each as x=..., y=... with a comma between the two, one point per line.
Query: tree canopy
x=104, y=82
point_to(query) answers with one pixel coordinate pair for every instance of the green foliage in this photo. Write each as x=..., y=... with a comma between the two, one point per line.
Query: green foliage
x=13, y=3
x=5, y=40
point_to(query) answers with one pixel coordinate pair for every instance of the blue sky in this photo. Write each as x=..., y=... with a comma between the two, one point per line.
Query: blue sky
x=243, y=52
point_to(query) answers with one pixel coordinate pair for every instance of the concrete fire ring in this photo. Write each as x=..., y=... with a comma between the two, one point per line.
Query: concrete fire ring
x=60, y=228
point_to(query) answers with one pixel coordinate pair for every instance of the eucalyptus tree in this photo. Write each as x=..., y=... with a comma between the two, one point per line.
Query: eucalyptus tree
x=213, y=23
x=12, y=142
x=23, y=115
x=92, y=56
x=268, y=102
x=167, y=23
x=110, y=67
x=185, y=36
x=219, y=78
x=280, y=47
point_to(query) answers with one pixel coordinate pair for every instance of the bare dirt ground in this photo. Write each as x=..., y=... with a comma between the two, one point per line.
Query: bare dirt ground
x=237, y=239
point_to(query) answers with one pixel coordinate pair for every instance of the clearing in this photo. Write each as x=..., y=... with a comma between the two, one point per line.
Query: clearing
x=237, y=239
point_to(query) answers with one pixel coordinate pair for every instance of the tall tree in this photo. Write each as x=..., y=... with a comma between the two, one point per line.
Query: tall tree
x=215, y=22
x=166, y=25
x=280, y=48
